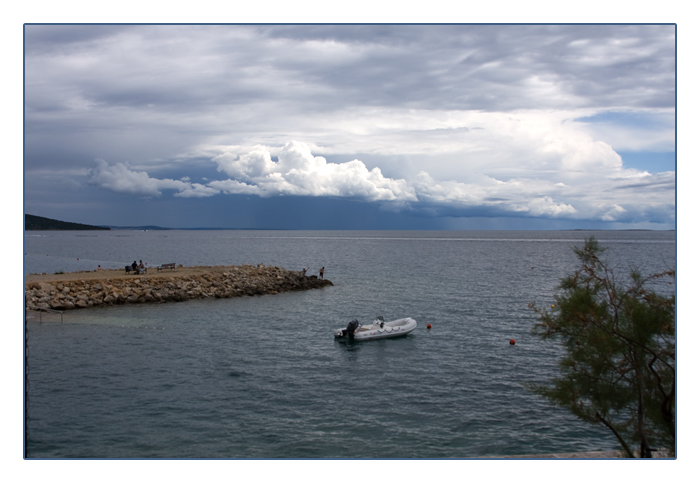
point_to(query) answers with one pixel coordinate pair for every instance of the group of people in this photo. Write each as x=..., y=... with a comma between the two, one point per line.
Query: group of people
x=320, y=272
x=138, y=267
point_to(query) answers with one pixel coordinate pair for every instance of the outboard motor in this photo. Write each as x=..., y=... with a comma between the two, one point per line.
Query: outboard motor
x=351, y=329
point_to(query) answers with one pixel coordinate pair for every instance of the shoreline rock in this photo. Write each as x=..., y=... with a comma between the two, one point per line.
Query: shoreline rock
x=191, y=283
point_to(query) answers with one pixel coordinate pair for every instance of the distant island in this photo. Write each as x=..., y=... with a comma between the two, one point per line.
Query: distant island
x=33, y=222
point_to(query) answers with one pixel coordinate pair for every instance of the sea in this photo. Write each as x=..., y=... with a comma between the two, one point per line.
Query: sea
x=262, y=377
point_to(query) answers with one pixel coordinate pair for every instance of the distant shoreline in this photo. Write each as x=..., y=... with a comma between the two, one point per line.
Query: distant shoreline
x=160, y=228
x=40, y=223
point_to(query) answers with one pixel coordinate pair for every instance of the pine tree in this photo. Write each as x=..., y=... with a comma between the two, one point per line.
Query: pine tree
x=618, y=367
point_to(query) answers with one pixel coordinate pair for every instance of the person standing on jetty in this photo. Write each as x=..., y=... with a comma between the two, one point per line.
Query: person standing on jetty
x=320, y=272
x=303, y=272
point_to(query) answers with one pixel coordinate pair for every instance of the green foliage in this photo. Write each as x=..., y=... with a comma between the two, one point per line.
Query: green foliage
x=618, y=367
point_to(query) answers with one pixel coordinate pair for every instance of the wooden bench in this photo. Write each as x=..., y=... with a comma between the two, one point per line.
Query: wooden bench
x=171, y=266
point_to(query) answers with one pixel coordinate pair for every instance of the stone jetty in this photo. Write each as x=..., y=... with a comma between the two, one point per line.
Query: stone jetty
x=112, y=287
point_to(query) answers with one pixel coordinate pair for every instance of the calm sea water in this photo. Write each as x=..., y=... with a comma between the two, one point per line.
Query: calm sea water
x=263, y=377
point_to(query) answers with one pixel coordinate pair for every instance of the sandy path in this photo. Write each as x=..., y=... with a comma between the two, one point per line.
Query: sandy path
x=117, y=274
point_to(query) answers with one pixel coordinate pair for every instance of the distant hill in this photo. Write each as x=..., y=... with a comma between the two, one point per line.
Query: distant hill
x=33, y=222
x=139, y=228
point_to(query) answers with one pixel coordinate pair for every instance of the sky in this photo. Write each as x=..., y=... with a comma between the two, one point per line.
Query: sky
x=499, y=125
x=354, y=126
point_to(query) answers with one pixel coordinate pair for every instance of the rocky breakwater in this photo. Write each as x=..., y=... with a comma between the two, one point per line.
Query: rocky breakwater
x=95, y=289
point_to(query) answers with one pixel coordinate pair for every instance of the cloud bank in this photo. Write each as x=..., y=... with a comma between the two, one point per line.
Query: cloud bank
x=628, y=195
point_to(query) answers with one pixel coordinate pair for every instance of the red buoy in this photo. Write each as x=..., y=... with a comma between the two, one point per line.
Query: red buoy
x=512, y=342
x=430, y=326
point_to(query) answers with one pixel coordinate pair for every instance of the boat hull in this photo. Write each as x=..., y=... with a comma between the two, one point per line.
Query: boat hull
x=381, y=330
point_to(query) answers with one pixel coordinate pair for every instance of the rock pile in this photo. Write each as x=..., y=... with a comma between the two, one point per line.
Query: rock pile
x=219, y=282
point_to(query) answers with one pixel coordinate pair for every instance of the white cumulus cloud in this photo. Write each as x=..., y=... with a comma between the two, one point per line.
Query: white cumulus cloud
x=121, y=179
x=576, y=178
x=196, y=190
x=298, y=172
